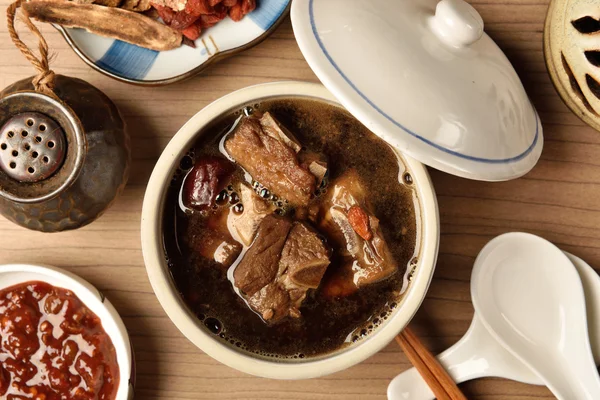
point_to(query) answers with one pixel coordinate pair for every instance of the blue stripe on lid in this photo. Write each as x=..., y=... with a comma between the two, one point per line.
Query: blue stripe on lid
x=268, y=12
x=127, y=60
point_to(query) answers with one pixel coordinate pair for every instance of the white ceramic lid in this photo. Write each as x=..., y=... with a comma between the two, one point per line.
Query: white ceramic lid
x=425, y=77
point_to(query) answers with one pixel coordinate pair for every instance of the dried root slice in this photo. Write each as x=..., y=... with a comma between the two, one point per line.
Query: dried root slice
x=107, y=3
x=135, y=5
x=111, y=22
x=83, y=1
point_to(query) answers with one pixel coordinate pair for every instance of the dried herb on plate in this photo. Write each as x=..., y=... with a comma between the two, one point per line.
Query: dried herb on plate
x=131, y=20
x=112, y=22
x=191, y=17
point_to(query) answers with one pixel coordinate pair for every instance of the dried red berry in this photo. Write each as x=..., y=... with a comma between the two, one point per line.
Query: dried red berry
x=208, y=177
x=359, y=220
x=192, y=32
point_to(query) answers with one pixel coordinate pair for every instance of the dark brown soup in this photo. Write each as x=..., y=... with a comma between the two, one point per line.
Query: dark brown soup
x=329, y=309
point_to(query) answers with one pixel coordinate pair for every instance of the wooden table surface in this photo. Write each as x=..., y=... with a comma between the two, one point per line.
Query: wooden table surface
x=557, y=200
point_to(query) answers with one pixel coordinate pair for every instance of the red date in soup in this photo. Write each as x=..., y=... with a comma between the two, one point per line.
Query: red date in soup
x=53, y=347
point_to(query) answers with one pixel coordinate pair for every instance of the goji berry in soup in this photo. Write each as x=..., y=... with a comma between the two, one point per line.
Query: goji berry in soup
x=53, y=347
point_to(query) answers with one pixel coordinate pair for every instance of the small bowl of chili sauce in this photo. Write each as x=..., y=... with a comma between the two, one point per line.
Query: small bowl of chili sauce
x=60, y=338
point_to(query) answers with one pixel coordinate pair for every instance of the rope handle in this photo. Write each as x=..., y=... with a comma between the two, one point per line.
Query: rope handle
x=44, y=81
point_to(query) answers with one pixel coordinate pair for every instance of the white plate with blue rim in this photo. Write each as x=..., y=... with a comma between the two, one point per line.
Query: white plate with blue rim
x=424, y=76
x=132, y=64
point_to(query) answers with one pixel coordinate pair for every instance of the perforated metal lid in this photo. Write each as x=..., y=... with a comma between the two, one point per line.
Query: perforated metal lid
x=32, y=147
x=42, y=147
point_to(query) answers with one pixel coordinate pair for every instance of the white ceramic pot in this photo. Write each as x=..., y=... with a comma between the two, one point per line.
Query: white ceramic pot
x=14, y=274
x=186, y=321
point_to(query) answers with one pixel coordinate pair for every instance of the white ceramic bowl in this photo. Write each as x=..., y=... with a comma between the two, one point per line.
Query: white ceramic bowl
x=186, y=321
x=14, y=274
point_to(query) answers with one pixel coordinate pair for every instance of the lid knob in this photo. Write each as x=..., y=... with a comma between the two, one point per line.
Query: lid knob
x=457, y=23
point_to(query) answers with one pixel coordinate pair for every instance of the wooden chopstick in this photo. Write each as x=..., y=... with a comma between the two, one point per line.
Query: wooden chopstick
x=440, y=383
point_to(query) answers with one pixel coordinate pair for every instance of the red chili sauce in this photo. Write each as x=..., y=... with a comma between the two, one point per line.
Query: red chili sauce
x=53, y=347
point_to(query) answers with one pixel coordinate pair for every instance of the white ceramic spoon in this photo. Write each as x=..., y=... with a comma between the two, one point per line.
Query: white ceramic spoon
x=530, y=298
x=477, y=354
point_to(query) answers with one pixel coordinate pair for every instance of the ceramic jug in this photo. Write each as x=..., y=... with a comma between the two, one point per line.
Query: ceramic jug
x=63, y=158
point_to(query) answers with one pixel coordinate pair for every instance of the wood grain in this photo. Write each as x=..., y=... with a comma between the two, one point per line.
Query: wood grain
x=557, y=200
x=430, y=369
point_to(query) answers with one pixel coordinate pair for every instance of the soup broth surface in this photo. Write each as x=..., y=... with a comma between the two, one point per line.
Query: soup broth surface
x=326, y=324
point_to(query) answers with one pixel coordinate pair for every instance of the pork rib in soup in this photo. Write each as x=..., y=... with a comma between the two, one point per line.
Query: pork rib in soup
x=288, y=231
